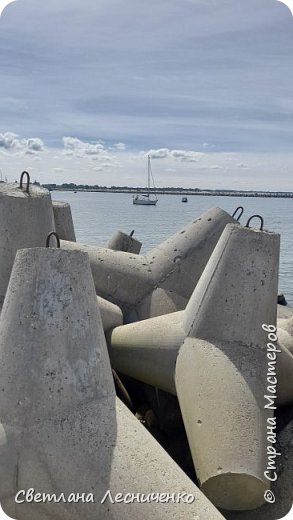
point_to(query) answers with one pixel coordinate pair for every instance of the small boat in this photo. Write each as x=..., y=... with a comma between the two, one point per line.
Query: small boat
x=145, y=199
x=184, y=199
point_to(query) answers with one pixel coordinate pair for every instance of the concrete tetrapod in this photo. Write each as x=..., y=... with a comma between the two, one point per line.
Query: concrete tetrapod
x=147, y=351
x=63, y=431
x=282, y=486
x=285, y=332
x=63, y=220
x=222, y=367
x=26, y=219
x=123, y=242
x=111, y=314
x=163, y=280
x=285, y=339
x=284, y=312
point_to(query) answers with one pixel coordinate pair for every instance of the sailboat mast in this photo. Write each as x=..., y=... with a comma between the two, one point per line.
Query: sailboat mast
x=149, y=165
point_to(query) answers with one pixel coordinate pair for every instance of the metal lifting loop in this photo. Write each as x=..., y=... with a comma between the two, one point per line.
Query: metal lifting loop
x=256, y=216
x=241, y=213
x=27, y=183
x=53, y=234
x=131, y=234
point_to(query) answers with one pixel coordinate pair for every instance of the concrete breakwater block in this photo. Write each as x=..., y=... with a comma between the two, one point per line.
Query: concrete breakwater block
x=26, y=218
x=282, y=485
x=284, y=312
x=225, y=336
x=63, y=220
x=51, y=341
x=123, y=242
x=128, y=475
x=63, y=431
x=285, y=339
x=147, y=350
x=221, y=370
x=111, y=314
x=285, y=332
x=163, y=280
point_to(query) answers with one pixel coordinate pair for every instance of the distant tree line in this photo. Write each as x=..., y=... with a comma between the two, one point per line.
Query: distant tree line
x=73, y=186
x=167, y=190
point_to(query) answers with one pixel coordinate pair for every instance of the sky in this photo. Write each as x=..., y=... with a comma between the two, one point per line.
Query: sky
x=89, y=88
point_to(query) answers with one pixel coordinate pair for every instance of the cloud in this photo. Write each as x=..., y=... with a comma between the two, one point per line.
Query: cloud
x=73, y=145
x=35, y=144
x=13, y=142
x=120, y=146
x=9, y=141
x=110, y=166
x=181, y=155
x=186, y=156
x=162, y=153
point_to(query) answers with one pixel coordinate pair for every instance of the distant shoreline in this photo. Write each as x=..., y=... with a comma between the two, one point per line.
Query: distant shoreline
x=172, y=191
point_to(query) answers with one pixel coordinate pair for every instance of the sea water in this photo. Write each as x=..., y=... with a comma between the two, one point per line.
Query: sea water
x=98, y=215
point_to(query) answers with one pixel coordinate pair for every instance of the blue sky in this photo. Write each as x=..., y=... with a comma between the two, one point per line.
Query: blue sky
x=88, y=88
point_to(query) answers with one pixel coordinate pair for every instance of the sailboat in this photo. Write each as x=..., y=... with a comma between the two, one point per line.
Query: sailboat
x=145, y=199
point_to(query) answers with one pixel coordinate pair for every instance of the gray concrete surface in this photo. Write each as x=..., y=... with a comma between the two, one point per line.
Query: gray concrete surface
x=122, y=242
x=229, y=425
x=284, y=311
x=163, y=280
x=63, y=220
x=147, y=350
x=282, y=488
x=25, y=221
x=221, y=368
x=285, y=332
x=111, y=314
x=285, y=339
x=63, y=430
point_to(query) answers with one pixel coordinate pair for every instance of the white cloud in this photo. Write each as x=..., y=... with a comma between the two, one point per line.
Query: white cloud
x=120, y=146
x=73, y=145
x=186, y=156
x=13, y=142
x=35, y=144
x=180, y=155
x=123, y=167
x=162, y=153
x=9, y=141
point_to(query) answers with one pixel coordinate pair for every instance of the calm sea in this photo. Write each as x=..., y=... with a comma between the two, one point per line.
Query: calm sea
x=98, y=215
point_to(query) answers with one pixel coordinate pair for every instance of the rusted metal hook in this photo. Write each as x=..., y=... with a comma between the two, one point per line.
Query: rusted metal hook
x=256, y=216
x=53, y=234
x=241, y=213
x=27, y=182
